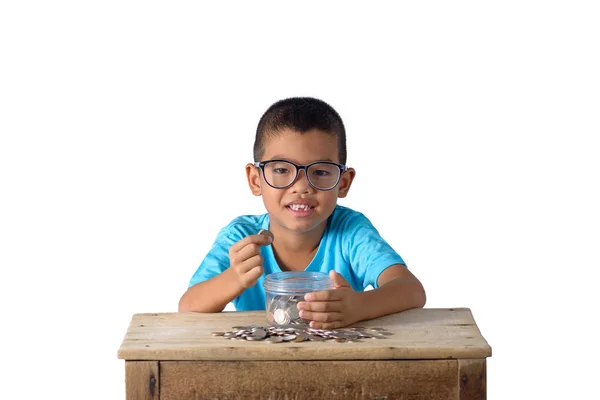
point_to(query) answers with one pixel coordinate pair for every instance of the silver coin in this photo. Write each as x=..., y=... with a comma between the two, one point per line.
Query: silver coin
x=273, y=339
x=258, y=335
x=288, y=337
x=280, y=316
x=272, y=334
x=300, y=337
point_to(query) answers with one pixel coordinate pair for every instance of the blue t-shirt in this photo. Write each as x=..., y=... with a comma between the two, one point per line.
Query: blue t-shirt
x=350, y=245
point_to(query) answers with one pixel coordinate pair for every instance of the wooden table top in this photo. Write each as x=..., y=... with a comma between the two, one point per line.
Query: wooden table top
x=429, y=333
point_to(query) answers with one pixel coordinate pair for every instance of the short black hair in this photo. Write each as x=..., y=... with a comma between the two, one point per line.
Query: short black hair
x=300, y=114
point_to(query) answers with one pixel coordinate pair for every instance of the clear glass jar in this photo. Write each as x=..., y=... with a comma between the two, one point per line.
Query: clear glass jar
x=284, y=290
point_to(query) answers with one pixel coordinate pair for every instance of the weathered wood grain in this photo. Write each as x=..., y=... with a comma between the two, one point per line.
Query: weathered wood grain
x=417, y=379
x=142, y=380
x=418, y=334
x=472, y=379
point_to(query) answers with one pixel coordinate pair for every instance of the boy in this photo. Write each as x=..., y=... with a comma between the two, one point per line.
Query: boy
x=300, y=171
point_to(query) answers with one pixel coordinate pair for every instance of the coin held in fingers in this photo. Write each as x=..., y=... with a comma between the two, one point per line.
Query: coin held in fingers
x=266, y=232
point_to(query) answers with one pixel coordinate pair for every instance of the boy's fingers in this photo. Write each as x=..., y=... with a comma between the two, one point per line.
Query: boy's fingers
x=248, y=251
x=261, y=240
x=326, y=325
x=321, y=316
x=324, y=295
x=320, y=306
x=249, y=264
x=254, y=274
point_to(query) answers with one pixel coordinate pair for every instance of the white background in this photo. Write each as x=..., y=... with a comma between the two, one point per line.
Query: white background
x=125, y=127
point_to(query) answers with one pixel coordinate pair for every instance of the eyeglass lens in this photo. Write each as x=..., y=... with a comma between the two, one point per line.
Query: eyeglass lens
x=282, y=174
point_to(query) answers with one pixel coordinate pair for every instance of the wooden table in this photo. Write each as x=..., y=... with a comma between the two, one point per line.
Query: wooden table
x=433, y=354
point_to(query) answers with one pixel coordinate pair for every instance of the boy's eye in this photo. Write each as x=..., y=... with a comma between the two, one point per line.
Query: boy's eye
x=281, y=170
x=321, y=172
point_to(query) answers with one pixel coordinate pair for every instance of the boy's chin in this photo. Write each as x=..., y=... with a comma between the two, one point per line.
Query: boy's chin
x=296, y=225
x=302, y=227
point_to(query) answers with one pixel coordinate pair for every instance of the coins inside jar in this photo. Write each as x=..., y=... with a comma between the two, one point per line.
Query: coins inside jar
x=272, y=334
x=283, y=310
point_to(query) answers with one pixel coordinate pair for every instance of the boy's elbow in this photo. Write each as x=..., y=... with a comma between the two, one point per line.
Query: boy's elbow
x=422, y=300
x=420, y=297
x=184, y=305
x=188, y=304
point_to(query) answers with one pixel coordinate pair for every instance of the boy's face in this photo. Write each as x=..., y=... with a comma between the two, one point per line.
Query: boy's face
x=302, y=149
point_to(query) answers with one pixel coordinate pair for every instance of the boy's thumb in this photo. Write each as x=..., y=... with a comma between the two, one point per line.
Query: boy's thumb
x=338, y=279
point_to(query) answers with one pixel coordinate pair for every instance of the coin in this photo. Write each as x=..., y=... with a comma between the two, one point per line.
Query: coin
x=289, y=305
x=293, y=312
x=273, y=334
x=300, y=337
x=266, y=232
x=280, y=316
x=258, y=334
x=288, y=337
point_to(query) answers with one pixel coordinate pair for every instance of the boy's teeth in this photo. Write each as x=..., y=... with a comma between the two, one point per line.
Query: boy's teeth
x=297, y=207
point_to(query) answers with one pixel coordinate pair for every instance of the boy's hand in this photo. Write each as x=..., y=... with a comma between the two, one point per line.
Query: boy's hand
x=245, y=260
x=331, y=309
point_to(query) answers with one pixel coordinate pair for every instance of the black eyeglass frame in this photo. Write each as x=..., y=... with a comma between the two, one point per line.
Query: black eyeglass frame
x=261, y=165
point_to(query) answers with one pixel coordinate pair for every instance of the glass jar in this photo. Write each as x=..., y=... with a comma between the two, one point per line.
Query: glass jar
x=284, y=290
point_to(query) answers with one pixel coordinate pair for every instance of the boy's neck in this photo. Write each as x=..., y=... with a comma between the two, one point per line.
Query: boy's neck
x=294, y=251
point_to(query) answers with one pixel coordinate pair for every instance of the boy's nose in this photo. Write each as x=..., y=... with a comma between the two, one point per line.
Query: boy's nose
x=301, y=183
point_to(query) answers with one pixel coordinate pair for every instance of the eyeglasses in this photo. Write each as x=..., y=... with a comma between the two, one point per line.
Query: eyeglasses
x=322, y=175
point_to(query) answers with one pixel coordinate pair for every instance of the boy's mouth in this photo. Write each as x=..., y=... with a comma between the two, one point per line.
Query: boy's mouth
x=299, y=210
x=300, y=207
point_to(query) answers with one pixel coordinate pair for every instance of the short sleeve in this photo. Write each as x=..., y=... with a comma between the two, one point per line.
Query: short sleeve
x=217, y=259
x=369, y=254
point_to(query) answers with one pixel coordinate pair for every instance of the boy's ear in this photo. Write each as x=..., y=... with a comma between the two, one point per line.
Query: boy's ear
x=346, y=182
x=253, y=175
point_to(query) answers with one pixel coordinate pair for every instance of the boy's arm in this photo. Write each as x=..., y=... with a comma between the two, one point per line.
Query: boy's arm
x=398, y=290
x=211, y=295
x=245, y=268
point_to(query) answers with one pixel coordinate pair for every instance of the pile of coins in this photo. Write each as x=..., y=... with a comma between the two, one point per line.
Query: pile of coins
x=283, y=310
x=273, y=334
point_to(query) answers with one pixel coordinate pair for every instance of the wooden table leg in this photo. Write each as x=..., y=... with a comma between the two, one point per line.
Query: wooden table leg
x=141, y=380
x=472, y=379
